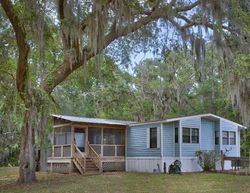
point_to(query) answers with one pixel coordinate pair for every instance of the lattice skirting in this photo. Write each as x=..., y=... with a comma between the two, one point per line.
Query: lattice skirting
x=113, y=166
x=59, y=167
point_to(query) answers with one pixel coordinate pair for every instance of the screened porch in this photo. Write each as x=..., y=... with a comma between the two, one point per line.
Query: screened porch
x=106, y=142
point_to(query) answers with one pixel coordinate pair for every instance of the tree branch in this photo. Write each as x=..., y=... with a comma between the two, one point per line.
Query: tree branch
x=66, y=68
x=23, y=47
x=187, y=7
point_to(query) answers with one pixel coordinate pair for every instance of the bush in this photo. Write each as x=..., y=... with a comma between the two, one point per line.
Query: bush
x=207, y=159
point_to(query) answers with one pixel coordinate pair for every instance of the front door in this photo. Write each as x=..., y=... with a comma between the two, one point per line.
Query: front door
x=80, y=138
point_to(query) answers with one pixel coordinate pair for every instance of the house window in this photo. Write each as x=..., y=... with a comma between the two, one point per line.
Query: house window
x=176, y=137
x=186, y=135
x=190, y=135
x=225, y=138
x=195, y=135
x=232, y=138
x=153, y=137
x=217, y=137
x=229, y=138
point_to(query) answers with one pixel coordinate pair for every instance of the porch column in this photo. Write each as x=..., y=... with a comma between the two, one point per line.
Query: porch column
x=87, y=140
x=72, y=141
x=102, y=142
x=53, y=142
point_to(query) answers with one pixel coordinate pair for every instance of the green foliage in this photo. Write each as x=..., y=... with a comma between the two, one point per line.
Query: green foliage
x=207, y=159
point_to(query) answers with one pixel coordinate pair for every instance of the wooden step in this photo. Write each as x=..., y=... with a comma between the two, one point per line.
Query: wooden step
x=78, y=166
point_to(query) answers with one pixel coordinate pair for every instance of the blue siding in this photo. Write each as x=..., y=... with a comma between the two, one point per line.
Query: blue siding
x=191, y=122
x=137, y=142
x=233, y=149
x=188, y=150
x=177, y=150
x=207, y=134
x=168, y=141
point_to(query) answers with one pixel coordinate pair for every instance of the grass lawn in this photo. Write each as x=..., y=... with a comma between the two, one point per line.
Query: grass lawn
x=127, y=182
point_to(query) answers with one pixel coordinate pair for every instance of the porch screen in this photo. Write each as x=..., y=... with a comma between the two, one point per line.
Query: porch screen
x=113, y=136
x=62, y=136
x=95, y=135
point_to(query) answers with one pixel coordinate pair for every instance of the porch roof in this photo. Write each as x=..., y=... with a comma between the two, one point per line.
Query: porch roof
x=93, y=120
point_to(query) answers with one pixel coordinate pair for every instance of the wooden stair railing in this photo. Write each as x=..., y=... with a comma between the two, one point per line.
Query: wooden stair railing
x=95, y=157
x=79, y=159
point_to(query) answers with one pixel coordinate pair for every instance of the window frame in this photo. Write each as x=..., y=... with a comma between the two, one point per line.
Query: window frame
x=229, y=137
x=191, y=129
x=176, y=137
x=225, y=138
x=234, y=137
x=194, y=135
x=186, y=136
x=150, y=137
x=217, y=137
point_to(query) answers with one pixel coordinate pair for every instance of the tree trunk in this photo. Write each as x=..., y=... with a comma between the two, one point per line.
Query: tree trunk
x=27, y=152
x=43, y=139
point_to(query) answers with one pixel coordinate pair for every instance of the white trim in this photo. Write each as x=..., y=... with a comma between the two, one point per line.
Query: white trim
x=161, y=138
x=148, y=137
x=158, y=137
x=143, y=157
x=126, y=145
x=173, y=137
x=188, y=117
x=180, y=138
x=200, y=134
x=220, y=135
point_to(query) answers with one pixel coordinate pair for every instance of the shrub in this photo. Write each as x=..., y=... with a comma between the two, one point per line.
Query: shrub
x=207, y=159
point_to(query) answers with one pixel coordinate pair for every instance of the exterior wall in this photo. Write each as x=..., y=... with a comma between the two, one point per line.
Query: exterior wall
x=137, y=142
x=207, y=134
x=189, y=149
x=168, y=140
x=142, y=159
x=233, y=150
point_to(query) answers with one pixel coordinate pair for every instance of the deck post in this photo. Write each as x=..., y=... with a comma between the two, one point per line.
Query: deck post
x=102, y=142
x=222, y=160
x=61, y=151
x=86, y=140
x=53, y=143
x=72, y=141
x=248, y=162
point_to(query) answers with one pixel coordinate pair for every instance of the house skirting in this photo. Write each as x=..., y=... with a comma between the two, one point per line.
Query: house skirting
x=143, y=164
x=150, y=164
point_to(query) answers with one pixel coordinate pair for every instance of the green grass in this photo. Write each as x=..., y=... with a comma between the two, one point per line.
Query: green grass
x=127, y=182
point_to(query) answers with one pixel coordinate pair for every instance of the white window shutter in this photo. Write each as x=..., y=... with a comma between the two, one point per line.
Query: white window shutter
x=148, y=137
x=158, y=137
